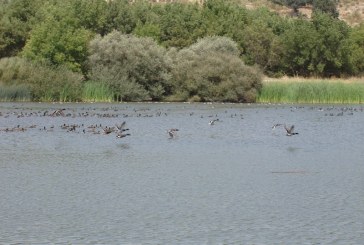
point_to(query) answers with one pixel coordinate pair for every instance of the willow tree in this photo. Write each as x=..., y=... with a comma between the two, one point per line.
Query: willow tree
x=135, y=68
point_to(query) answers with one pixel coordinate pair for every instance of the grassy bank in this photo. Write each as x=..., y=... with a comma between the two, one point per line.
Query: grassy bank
x=97, y=92
x=90, y=92
x=14, y=93
x=312, y=91
x=274, y=91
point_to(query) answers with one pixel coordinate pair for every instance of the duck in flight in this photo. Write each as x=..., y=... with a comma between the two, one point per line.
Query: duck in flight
x=121, y=127
x=121, y=135
x=289, y=130
x=172, y=132
x=212, y=122
x=276, y=125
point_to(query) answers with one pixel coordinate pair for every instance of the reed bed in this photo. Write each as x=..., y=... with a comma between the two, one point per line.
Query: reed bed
x=312, y=92
x=15, y=93
x=97, y=92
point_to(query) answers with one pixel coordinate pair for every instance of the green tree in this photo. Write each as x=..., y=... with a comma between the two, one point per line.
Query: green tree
x=149, y=21
x=257, y=45
x=91, y=15
x=46, y=83
x=333, y=35
x=59, y=39
x=181, y=25
x=300, y=49
x=354, y=46
x=326, y=6
x=315, y=47
x=119, y=16
x=211, y=70
x=135, y=68
x=225, y=18
x=16, y=20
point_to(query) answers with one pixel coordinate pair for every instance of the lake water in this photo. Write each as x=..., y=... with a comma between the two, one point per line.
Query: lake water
x=234, y=182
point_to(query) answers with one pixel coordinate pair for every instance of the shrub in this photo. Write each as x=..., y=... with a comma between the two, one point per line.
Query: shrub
x=134, y=68
x=211, y=70
x=15, y=93
x=46, y=83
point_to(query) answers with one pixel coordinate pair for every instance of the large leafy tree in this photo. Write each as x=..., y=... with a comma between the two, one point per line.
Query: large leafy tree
x=16, y=20
x=135, y=68
x=119, y=16
x=181, y=25
x=315, y=47
x=225, y=18
x=91, y=15
x=333, y=35
x=326, y=6
x=59, y=39
x=211, y=70
x=301, y=52
x=354, y=48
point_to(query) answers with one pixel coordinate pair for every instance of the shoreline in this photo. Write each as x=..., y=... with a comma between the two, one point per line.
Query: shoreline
x=285, y=90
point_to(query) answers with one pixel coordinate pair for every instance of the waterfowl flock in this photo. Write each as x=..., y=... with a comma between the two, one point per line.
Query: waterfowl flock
x=119, y=130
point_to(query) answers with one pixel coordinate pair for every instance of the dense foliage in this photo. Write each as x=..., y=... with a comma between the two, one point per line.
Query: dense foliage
x=41, y=81
x=211, y=70
x=142, y=50
x=134, y=68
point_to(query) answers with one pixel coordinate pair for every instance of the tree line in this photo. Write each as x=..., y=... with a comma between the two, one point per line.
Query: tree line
x=154, y=51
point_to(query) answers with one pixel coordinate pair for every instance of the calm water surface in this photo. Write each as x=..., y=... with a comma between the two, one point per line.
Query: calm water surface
x=235, y=182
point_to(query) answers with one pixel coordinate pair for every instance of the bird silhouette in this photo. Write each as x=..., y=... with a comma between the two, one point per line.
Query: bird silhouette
x=172, y=132
x=290, y=130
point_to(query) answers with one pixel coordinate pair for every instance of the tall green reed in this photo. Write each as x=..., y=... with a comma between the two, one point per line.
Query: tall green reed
x=15, y=93
x=312, y=92
x=97, y=92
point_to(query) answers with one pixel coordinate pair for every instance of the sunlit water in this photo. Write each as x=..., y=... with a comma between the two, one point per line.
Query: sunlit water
x=235, y=182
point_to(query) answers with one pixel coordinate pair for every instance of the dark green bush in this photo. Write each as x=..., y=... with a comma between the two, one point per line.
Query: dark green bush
x=16, y=20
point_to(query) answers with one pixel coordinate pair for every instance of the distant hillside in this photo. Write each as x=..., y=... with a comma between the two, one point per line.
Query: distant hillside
x=351, y=11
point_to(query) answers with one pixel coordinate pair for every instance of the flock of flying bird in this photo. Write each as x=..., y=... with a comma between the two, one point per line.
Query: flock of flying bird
x=119, y=129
